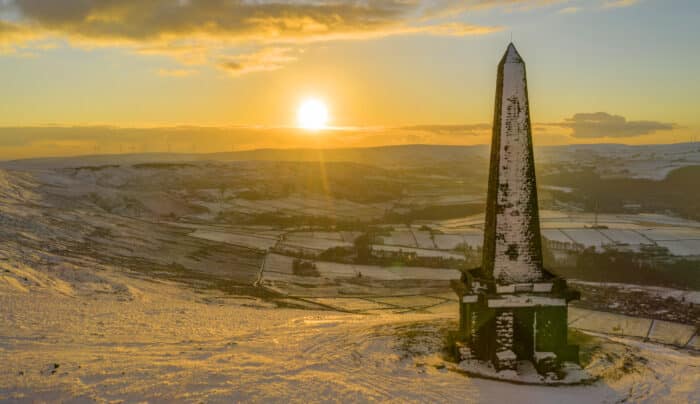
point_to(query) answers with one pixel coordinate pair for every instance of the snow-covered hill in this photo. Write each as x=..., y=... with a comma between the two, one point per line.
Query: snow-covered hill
x=102, y=305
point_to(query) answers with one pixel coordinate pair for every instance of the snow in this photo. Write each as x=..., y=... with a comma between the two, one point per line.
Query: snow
x=556, y=235
x=694, y=343
x=139, y=340
x=294, y=240
x=610, y=323
x=587, y=237
x=239, y=239
x=690, y=296
x=470, y=298
x=514, y=259
x=278, y=263
x=682, y=248
x=316, y=206
x=566, y=190
x=423, y=239
x=327, y=235
x=538, y=356
x=542, y=287
x=333, y=270
x=448, y=241
x=670, y=333
x=409, y=301
x=671, y=233
x=527, y=374
x=350, y=236
x=400, y=238
x=505, y=288
x=420, y=252
x=524, y=301
x=473, y=239
x=350, y=304
x=74, y=329
x=506, y=355
x=625, y=236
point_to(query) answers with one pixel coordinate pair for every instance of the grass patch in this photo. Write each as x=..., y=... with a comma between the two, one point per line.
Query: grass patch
x=588, y=345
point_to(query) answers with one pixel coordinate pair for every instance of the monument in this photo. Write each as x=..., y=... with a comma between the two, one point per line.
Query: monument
x=511, y=308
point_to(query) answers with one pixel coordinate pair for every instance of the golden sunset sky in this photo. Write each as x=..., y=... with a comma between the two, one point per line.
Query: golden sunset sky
x=108, y=76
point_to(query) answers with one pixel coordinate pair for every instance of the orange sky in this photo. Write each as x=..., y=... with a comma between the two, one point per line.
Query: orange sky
x=90, y=76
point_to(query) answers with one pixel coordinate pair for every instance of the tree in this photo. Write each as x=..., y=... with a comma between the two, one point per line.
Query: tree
x=363, y=248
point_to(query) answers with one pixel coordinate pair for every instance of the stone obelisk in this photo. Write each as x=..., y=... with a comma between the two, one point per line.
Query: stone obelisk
x=512, y=247
x=512, y=309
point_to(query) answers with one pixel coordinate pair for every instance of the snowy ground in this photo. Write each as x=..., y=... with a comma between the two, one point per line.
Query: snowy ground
x=161, y=342
x=99, y=301
x=681, y=306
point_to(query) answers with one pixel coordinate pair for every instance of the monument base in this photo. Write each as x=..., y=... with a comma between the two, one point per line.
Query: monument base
x=525, y=372
x=507, y=324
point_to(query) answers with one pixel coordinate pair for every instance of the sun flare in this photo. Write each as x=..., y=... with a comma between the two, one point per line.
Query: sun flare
x=312, y=114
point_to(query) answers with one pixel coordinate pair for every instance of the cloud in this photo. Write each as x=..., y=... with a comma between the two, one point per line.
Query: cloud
x=176, y=72
x=569, y=10
x=234, y=20
x=452, y=29
x=22, y=142
x=205, y=31
x=465, y=130
x=14, y=37
x=446, y=8
x=619, y=3
x=603, y=124
x=268, y=59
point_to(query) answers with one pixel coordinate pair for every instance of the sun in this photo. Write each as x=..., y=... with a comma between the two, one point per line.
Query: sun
x=312, y=114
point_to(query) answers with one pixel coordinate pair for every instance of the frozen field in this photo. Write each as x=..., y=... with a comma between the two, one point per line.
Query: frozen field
x=311, y=206
x=105, y=296
x=133, y=340
x=239, y=239
x=680, y=236
x=420, y=252
x=280, y=264
x=403, y=238
x=312, y=242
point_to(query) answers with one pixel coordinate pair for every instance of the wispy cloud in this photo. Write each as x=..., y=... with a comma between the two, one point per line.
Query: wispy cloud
x=569, y=10
x=619, y=3
x=445, y=8
x=232, y=21
x=18, y=142
x=603, y=124
x=201, y=31
x=463, y=130
x=204, y=31
x=267, y=59
x=176, y=72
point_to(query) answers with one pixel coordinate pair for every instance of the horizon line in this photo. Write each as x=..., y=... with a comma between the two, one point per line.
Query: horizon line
x=289, y=149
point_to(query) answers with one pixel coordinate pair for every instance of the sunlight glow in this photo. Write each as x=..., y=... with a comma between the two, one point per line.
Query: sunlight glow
x=312, y=114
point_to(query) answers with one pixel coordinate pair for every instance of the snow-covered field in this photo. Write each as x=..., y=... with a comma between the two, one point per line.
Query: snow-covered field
x=245, y=240
x=158, y=341
x=101, y=300
x=680, y=236
x=690, y=296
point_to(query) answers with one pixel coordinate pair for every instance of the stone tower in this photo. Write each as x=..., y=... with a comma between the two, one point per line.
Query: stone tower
x=512, y=251
x=512, y=309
